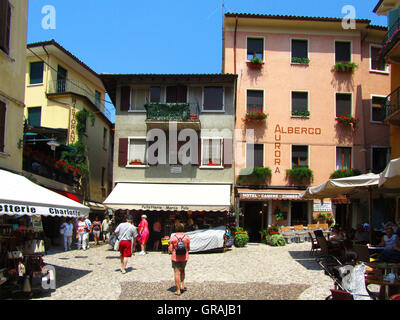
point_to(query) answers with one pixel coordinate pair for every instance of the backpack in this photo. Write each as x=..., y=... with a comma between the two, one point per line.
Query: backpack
x=180, y=247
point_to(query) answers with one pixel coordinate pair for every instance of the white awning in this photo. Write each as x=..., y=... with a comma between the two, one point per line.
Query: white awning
x=170, y=197
x=20, y=196
x=390, y=177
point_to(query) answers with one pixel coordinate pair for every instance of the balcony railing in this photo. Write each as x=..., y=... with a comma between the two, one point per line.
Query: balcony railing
x=72, y=86
x=390, y=39
x=391, y=104
x=171, y=112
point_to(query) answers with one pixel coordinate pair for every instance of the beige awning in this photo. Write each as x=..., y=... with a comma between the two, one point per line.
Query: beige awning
x=390, y=177
x=95, y=205
x=170, y=197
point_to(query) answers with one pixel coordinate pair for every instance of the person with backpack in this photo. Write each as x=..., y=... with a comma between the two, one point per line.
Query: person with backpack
x=179, y=247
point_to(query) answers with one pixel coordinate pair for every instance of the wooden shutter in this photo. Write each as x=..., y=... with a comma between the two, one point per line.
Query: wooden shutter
x=123, y=152
x=227, y=152
x=3, y=23
x=2, y=125
x=125, y=98
x=181, y=94
x=8, y=29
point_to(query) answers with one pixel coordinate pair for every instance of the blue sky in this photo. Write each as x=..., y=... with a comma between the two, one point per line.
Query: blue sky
x=161, y=36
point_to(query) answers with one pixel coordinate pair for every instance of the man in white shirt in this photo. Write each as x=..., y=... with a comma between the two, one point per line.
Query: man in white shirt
x=68, y=230
x=127, y=234
x=89, y=224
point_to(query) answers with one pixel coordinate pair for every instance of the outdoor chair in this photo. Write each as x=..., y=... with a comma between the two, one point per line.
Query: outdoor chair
x=300, y=232
x=324, y=226
x=312, y=226
x=325, y=250
x=319, y=233
x=314, y=244
x=363, y=253
x=341, y=295
x=288, y=234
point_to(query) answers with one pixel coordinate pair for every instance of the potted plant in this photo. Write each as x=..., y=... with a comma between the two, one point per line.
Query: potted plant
x=300, y=174
x=255, y=115
x=345, y=67
x=241, y=238
x=136, y=162
x=296, y=60
x=301, y=113
x=255, y=63
x=255, y=175
x=348, y=120
x=273, y=237
x=344, y=173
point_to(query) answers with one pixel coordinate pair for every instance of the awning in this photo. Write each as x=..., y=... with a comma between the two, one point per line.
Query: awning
x=390, y=177
x=67, y=194
x=95, y=205
x=170, y=197
x=20, y=196
x=268, y=194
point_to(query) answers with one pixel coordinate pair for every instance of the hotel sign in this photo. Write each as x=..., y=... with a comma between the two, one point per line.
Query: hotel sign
x=322, y=207
x=269, y=196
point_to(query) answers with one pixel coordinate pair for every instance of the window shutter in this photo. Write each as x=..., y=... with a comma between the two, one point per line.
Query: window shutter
x=227, y=153
x=123, y=152
x=2, y=125
x=182, y=94
x=3, y=23
x=8, y=28
x=125, y=98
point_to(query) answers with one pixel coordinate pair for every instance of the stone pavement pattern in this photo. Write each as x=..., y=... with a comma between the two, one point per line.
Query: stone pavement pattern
x=256, y=272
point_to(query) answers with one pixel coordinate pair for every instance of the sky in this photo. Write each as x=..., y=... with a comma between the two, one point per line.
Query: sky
x=162, y=36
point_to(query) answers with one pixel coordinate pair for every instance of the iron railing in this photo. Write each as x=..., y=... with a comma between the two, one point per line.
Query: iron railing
x=390, y=39
x=392, y=103
x=171, y=112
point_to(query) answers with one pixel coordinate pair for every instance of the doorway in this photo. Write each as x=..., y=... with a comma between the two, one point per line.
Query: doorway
x=253, y=220
x=299, y=213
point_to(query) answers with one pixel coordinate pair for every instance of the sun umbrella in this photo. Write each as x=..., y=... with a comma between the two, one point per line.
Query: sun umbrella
x=390, y=177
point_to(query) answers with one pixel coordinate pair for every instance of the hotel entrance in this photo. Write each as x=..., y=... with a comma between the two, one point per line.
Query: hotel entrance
x=253, y=220
x=299, y=213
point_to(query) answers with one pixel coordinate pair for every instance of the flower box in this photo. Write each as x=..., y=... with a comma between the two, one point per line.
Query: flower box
x=345, y=67
x=135, y=163
x=255, y=115
x=213, y=164
x=255, y=65
x=348, y=120
x=304, y=61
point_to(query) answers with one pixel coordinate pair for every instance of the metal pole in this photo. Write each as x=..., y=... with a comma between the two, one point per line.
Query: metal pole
x=370, y=213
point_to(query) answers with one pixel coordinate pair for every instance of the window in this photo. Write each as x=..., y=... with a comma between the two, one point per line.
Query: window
x=343, y=158
x=211, y=154
x=343, y=104
x=103, y=174
x=155, y=94
x=376, y=64
x=36, y=73
x=5, y=25
x=97, y=97
x=34, y=116
x=137, y=151
x=380, y=159
x=255, y=100
x=138, y=99
x=299, y=48
x=176, y=94
x=378, y=109
x=104, y=138
x=213, y=99
x=299, y=101
x=255, y=48
x=3, y=109
x=342, y=51
x=299, y=156
x=257, y=151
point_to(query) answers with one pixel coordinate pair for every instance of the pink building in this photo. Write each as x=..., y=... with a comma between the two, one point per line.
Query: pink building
x=294, y=83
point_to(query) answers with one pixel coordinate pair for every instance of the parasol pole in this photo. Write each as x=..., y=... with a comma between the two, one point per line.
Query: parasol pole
x=370, y=213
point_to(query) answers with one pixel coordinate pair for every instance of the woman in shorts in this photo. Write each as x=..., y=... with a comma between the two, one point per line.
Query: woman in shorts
x=96, y=229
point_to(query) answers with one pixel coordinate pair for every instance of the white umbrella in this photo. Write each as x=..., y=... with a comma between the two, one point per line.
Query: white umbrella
x=20, y=196
x=390, y=177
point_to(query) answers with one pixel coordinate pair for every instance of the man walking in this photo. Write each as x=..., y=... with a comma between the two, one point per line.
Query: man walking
x=81, y=228
x=127, y=234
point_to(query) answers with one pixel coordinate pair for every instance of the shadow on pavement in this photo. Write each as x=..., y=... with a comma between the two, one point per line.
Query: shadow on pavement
x=304, y=258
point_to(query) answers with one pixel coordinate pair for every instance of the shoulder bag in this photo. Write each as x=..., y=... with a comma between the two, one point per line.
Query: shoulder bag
x=116, y=245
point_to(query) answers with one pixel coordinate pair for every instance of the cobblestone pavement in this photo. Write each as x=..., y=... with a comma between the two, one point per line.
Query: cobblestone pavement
x=256, y=272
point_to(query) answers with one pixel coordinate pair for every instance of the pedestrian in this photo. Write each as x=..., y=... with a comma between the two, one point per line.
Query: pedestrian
x=143, y=229
x=88, y=231
x=62, y=228
x=81, y=230
x=157, y=234
x=127, y=235
x=68, y=231
x=179, y=247
x=97, y=229
x=106, y=229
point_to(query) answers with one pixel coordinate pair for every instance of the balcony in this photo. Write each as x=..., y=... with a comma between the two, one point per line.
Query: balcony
x=160, y=115
x=392, y=108
x=391, y=45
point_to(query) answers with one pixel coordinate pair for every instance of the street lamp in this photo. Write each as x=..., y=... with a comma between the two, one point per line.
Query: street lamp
x=53, y=144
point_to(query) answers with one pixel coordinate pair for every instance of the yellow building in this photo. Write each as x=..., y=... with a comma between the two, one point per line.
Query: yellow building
x=13, y=26
x=58, y=85
x=390, y=53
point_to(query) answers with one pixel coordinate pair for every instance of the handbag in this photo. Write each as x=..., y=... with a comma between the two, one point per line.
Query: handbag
x=116, y=245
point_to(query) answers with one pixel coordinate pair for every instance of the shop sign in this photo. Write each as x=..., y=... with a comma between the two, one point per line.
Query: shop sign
x=176, y=169
x=164, y=208
x=73, y=134
x=322, y=207
x=37, y=224
x=269, y=196
x=28, y=210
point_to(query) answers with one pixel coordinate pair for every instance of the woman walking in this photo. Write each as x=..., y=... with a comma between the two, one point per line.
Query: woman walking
x=179, y=246
x=68, y=230
x=143, y=230
x=97, y=229
x=81, y=230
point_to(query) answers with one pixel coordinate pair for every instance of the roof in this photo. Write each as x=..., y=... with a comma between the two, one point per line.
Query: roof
x=57, y=45
x=288, y=17
x=377, y=6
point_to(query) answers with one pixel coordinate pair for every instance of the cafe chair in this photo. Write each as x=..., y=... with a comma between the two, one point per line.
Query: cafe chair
x=325, y=250
x=341, y=295
x=395, y=297
x=314, y=244
x=300, y=233
x=288, y=234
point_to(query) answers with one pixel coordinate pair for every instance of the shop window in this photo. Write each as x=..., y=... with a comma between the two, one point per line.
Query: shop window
x=2, y=124
x=299, y=101
x=155, y=94
x=343, y=158
x=213, y=99
x=36, y=73
x=211, y=152
x=299, y=156
x=342, y=51
x=343, y=104
x=255, y=48
x=34, y=116
x=137, y=151
x=376, y=63
x=380, y=159
x=378, y=109
x=255, y=100
x=299, y=49
x=176, y=94
x=5, y=25
x=254, y=155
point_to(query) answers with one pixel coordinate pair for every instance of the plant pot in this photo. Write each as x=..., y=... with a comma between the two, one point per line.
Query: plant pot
x=255, y=66
x=136, y=163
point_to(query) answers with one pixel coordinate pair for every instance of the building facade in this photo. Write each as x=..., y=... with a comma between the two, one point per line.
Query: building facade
x=13, y=28
x=173, y=146
x=58, y=88
x=322, y=115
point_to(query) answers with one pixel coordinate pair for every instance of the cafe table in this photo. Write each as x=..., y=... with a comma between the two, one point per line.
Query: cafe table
x=385, y=266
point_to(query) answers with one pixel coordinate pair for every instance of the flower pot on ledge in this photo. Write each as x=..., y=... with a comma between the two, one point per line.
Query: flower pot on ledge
x=135, y=163
x=345, y=67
